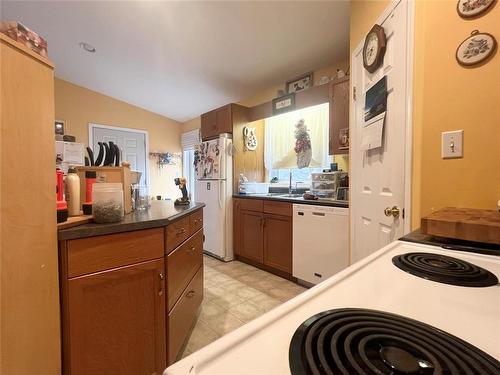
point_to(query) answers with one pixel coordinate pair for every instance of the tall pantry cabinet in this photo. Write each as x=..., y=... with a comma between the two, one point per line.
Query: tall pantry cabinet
x=29, y=292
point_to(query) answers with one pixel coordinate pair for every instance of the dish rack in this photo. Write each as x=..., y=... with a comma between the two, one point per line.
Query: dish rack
x=326, y=184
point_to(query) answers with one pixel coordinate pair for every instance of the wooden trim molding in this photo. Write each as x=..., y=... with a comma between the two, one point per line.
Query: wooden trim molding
x=309, y=97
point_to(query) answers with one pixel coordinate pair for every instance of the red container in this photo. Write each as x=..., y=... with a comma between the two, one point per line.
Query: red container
x=61, y=205
x=20, y=33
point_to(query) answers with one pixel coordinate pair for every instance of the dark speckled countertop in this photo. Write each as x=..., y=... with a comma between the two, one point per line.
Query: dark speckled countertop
x=161, y=213
x=296, y=200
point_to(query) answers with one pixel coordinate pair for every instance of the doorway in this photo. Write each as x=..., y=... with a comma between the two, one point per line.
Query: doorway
x=132, y=143
x=381, y=177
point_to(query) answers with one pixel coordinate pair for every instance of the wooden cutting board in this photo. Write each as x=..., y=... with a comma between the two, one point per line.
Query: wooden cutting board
x=468, y=224
x=74, y=221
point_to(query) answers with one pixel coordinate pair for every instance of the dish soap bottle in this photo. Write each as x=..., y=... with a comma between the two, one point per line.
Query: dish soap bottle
x=72, y=192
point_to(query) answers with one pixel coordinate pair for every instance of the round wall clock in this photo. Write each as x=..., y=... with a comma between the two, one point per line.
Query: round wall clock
x=473, y=8
x=374, y=48
x=476, y=48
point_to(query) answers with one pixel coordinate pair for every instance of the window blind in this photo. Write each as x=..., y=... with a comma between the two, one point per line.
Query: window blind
x=190, y=139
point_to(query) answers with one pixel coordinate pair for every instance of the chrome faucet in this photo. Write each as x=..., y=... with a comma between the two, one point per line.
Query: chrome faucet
x=290, y=185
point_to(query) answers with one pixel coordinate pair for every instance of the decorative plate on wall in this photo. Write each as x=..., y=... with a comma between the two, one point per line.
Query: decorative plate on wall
x=473, y=8
x=476, y=48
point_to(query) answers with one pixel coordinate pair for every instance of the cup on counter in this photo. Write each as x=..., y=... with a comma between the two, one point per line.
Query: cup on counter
x=142, y=202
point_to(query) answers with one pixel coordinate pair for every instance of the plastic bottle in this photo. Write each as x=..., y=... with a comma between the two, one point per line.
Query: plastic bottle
x=72, y=192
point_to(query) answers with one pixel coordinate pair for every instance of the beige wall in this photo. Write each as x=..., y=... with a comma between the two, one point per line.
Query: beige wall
x=79, y=106
x=448, y=97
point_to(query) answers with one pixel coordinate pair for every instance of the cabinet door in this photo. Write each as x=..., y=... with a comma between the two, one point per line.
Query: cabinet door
x=224, y=120
x=116, y=321
x=237, y=227
x=251, y=235
x=208, y=125
x=339, y=115
x=278, y=242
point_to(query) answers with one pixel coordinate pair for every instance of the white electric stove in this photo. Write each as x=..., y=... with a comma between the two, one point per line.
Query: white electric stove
x=354, y=309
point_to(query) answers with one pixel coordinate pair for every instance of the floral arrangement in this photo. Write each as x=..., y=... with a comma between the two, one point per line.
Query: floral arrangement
x=302, y=145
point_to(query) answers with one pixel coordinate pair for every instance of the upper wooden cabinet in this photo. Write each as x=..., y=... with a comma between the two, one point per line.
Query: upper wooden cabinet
x=339, y=115
x=221, y=120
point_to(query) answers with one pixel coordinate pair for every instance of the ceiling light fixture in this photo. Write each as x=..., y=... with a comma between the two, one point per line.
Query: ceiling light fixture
x=87, y=47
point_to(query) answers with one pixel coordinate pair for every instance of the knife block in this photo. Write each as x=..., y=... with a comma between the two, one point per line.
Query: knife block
x=109, y=174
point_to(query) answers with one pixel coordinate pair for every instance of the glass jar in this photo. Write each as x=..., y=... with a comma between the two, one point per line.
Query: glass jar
x=142, y=202
x=107, y=204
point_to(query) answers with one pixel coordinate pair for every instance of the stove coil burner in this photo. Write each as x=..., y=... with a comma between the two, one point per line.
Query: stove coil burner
x=444, y=269
x=359, y=341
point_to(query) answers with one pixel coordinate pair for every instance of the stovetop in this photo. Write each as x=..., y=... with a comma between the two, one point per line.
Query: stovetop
x=262, y=346
x=362, y=341
x=445, y=269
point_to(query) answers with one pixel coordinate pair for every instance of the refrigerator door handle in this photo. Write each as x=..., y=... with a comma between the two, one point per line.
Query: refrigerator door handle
x=220, y=190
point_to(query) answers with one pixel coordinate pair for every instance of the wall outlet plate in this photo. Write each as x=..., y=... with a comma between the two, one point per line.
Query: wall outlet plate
x=452, y=145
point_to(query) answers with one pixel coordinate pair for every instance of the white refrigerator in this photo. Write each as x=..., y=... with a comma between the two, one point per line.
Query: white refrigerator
x=213, y=167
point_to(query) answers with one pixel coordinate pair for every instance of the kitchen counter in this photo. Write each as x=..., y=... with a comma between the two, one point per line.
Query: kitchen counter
x=161, y=213
x=297, y=200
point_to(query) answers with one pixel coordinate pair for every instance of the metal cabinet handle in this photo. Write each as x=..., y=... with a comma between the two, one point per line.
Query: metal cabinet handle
x=191, y=249
x=181, y=231
x=162, y=277
x=190, y=294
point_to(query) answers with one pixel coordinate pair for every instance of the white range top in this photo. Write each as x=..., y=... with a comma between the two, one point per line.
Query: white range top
x=261, y=346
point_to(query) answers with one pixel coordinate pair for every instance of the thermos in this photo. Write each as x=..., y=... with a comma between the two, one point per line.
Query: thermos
x=72, y=192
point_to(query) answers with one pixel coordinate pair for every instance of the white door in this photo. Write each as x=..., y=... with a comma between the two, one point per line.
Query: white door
x=378, y=175
x=132, y=145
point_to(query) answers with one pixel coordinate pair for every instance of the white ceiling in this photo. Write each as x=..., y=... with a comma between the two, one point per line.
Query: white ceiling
x=180, y=59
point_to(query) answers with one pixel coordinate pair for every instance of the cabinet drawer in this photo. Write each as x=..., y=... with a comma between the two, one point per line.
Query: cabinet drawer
x=94, y=254
x=278, y=208
x=182, y=316
x=249, y=204
x=182, y=264
x=196, y=221
x=177, y=233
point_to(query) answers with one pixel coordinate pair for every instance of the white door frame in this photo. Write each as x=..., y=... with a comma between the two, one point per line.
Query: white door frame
x=408, y=123
x=93, y=126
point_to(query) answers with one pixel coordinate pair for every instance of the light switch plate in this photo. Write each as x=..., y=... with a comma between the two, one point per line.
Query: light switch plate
x=452, y=145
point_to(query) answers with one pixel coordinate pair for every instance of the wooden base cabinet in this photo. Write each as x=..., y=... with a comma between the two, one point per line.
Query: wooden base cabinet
x=263, y=234
x=130, y=299
x=278, y=242
x=251, y=229
x=182, y=316
x=118, y=314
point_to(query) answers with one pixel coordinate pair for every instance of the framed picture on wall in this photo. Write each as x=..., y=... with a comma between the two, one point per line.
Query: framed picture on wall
x=473, y=8
x=59, y=127
x=284, y=104
x=476, y=48
x=300, y=83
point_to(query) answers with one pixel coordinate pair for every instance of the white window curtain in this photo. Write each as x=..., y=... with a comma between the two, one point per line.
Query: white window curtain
x=279, y=142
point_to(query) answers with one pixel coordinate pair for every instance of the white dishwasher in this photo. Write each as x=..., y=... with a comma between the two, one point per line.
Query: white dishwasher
x=320, y=247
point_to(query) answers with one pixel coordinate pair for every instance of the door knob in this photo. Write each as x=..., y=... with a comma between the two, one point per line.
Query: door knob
x=394, y=211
